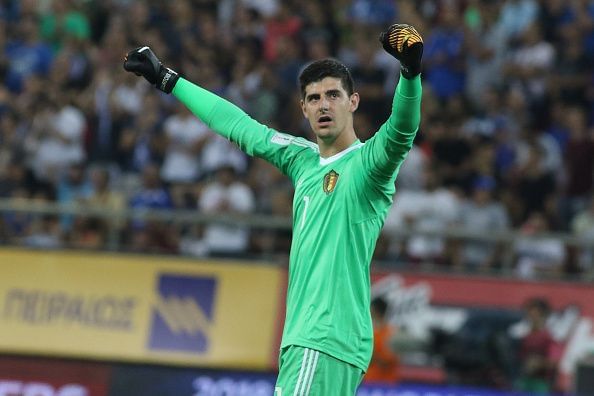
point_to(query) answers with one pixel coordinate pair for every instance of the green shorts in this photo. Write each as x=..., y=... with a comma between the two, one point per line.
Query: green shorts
x=307, y=372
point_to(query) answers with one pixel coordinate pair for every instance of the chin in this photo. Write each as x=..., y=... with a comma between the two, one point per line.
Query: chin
x=325, y=134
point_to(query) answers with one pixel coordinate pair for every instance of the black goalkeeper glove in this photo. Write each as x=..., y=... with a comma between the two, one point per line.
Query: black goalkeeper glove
x=143, y=62
x=404, y=43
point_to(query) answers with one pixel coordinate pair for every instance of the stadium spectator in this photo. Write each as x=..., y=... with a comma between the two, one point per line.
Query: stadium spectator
x=55, y=141
x=579, y=163
x=517, y=15
x=582, y=226
x=139, y=140
x=12, y=137
x=529, y=64
x=88, y=232
x=12, y=177
x=282, y=26
x=573, y=73
x=482, y=215
x=44, y=233
x=535, y=184
x=64, y=22
x=370, y=79
x=274, y=197
x=539, y=353
x=385, y=364
x=433, y=209
x=73, y=189
x=106, y=198
x=452, y=153
x=486, y=44
x=538, y=254
x=220, y=152
x=152, y=235
x=444, y=55
x=413, y=171
x=226, y=195
x=16, y=225
x=185, y=139
x=26, y=54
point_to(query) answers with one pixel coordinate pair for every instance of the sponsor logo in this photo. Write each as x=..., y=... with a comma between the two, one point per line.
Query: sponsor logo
x=166, y=78
x=205, y=385
x=43, y=307
x=13, y=388
x=183, y=313
x=410, y=307
x=330, y=180
x=282, y=139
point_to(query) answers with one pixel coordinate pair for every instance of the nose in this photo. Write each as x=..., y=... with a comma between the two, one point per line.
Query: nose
x=324, y=104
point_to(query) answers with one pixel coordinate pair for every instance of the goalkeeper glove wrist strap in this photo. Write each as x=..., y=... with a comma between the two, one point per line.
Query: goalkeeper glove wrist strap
x=410, y=72
x=167, y=79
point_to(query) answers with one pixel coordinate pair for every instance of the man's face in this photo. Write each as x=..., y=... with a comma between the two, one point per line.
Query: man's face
x=328, y=108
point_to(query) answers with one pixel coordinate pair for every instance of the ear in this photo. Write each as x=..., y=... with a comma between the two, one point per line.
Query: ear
x=303, y=108
x=354, y=99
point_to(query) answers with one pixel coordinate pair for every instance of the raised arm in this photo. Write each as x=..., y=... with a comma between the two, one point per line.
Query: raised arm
x=222, y=116
x=385, y=152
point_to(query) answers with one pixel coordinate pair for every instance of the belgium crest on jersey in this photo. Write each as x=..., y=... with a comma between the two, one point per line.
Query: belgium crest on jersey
x=330, y=180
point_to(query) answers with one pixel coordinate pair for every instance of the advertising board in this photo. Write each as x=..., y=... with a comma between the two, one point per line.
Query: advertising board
x=156, y=381
x=471, y=310
x=24, y=376
x=139, y=308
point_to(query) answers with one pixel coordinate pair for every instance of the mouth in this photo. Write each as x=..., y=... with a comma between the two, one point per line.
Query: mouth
x=324, y=121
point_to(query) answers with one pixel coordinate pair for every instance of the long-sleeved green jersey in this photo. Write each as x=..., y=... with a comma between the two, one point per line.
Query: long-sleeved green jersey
x=339, y=208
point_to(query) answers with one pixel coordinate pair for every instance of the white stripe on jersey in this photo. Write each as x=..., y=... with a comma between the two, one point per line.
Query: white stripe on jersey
x=283, y=139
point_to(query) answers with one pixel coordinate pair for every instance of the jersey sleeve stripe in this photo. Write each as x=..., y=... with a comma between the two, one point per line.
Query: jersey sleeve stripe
x=284, y=139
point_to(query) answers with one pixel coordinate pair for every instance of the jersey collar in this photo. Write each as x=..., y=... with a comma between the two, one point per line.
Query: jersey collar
x=325, y=161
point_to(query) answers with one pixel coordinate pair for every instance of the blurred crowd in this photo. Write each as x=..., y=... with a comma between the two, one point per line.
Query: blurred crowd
x=518, y=349
x=505, y=143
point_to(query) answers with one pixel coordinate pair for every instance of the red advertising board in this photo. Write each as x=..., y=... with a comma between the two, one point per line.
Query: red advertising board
x=422, y=303
x=32, y=376
x=483, y=291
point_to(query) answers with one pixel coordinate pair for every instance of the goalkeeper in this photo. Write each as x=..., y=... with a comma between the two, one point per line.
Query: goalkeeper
x=343, y=189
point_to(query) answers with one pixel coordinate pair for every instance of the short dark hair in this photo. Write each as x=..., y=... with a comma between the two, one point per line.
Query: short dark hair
x=320, y=69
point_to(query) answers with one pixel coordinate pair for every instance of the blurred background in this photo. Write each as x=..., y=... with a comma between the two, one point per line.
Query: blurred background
x=133, y=238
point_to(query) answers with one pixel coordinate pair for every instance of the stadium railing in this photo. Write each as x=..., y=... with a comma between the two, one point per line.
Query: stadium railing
x=504, y=240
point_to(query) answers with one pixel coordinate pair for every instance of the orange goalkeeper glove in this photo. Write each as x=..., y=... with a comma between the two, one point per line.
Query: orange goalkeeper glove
x=404, y=43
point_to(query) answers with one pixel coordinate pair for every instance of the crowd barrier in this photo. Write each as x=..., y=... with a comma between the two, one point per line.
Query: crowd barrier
x=580, y=246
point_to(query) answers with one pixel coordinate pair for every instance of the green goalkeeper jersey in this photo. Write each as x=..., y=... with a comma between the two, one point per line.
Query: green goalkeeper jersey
x=339, y=208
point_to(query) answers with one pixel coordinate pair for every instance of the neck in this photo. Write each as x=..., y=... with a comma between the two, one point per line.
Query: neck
x=342, y=142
